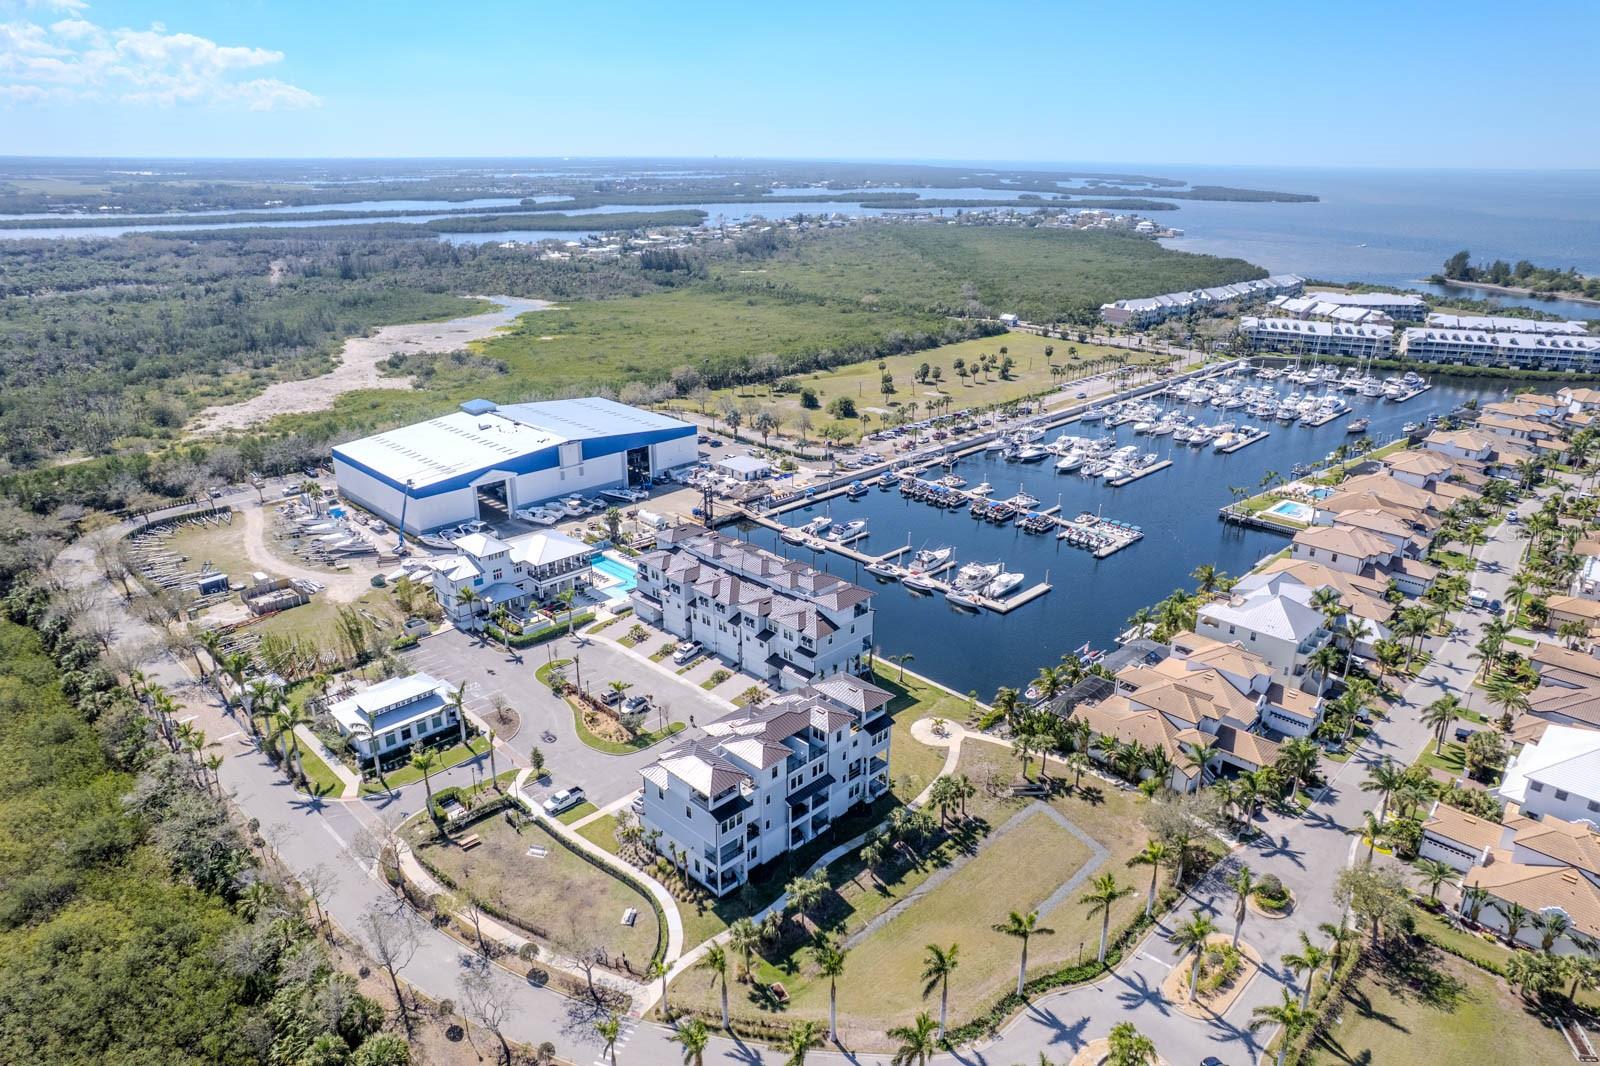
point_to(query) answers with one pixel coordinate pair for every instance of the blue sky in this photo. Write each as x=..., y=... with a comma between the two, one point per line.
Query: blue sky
x=1419, y=84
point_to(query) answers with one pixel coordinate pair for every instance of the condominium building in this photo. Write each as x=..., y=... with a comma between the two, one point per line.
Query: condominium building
x=768, y=778
x=1317, y=338
x=1151, y=310
x=1507, y=324
x=1400, y=306
x=771, y=617
x=1501, y=348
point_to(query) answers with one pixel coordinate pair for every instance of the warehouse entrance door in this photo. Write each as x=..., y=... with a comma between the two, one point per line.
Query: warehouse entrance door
x=638, y=466
x=494, y=501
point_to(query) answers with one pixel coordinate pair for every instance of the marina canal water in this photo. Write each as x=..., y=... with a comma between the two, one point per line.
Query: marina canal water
x=1092, y=599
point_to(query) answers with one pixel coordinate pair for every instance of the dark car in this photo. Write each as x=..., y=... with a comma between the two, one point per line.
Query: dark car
x=1464, y=732
x=1496, y=607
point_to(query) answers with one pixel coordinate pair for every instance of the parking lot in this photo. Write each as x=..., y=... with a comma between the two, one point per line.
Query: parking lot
x=493, y=675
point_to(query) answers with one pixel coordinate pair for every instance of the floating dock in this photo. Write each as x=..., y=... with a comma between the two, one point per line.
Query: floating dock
x=1153, y=468
x=1230, y=449
x=1322, y=420
x=1418, y=391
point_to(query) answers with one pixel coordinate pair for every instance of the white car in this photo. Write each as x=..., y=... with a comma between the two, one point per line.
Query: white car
x=687, y=653
x=564, y=800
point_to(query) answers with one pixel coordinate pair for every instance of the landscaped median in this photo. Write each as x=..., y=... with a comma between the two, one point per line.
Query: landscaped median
x=599, y=727
x=529, y=637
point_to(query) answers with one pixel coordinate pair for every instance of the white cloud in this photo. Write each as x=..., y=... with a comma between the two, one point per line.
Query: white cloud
x=76, y=59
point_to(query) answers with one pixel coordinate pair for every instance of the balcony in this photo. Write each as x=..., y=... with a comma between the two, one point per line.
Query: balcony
x=731, y=850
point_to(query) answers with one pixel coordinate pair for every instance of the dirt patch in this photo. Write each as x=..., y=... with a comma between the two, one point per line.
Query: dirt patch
x=359, y=366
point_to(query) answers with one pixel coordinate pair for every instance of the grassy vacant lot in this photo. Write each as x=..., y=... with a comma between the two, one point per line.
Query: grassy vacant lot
x=1044, y=275
x=861, y=381
x=562, y=899
x=406, y=774
x=1440, y=1010
x=1018, y=870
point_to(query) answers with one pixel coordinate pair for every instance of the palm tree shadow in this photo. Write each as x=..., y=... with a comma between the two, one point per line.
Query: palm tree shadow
x=1139, y=992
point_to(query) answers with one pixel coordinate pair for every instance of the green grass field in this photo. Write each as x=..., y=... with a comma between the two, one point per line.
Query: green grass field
x=1447, y=1011
x=562, y=898
x=1042, y=274
x=861, y=382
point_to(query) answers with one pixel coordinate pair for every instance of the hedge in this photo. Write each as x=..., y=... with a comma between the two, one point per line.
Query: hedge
x=550, y=632
x=1328, y=1007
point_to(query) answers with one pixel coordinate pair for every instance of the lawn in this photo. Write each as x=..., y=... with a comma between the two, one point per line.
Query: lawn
x=860, y=382
x=563, y=899
x=582, y=810
x=220, y=545
x=324, y=782
x=602, y=831
x=406, y=774
x=1443, y=1011
x=1006, y=873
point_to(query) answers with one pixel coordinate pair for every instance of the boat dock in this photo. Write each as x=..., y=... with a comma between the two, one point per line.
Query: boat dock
x=1252, y=439
x=1324, y=418
x=1005, y=606
x=1153, y=468
x=1418, y=391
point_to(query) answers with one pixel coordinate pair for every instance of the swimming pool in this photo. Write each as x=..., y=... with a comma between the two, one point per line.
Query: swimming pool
x=623, y=577
x=1293, y=510
x=1321, y=494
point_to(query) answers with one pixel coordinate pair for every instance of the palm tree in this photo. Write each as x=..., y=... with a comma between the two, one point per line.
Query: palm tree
x=693, y=1036
x=829, y=957
x=1386, y=778
x=1298, y=758
x=1024, y=927
x=1192, y=936
x=1154, y=855
x=1102, y=896
x=938, y=964
x=286, y=721
x=1308, y=960
x=715, y=962
x=1438, y=716
x=458, y=699
x=1434, y=873
x=1128, y=1047
x=1473, y=899
x=425, y=762
x=467, y=598
x=801, y=1039
x=744, y=937
x=1288, y=1014
x=1373, y=826
x=609, y=1029
x=1243, y=882
x=917, y=1041
x=1552, y=925
x=1208, y=578
x=1516, y=916
x=900, y=661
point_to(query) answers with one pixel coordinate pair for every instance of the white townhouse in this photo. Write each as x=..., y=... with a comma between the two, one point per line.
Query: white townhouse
x=394, y=715
x=768, y=778
x=1151, y=310
x=1545, y=351
x=532, y=568
x=771, y=617
x=1274, y=620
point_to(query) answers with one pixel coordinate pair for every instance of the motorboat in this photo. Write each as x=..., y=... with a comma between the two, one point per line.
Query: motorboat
x=963, y=599
x=983, y=489
x=1358, y=426
x=1002, y=586
x=573, y=506
x=852, y=529
x=1069, y=462
x=974, y=576
x=540, y=516
x=1022, y=500
x=856, y=490
x=1093, y=414
x=884, y=569
x=1030, y=453
x=919, y=583
x=1410, y=427
x=622, y=495
x=930, y=560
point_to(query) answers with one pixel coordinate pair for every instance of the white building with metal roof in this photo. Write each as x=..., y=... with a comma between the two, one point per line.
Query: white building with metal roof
x=487, y=459
x=1318, y=338
x=1151, y=310
x=394, y=715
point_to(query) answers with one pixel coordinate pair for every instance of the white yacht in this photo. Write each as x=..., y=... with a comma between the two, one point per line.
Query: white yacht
x=974, y=576
x=1002, y=585
x=849, y=531
x=983, y=489
x=929, y=560
x=1069, y=462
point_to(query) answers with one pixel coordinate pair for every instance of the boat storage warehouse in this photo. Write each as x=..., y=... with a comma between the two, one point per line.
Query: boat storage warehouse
x=486, y=460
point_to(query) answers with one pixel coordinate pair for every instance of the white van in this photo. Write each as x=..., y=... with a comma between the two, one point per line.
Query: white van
x=1478, y=599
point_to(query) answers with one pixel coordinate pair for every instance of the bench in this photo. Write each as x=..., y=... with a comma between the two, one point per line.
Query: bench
x=538, y=851
x=778, y=992
x=469, y=842
x=630, y=916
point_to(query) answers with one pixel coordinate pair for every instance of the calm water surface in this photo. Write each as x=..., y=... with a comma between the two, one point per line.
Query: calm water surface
x=1092, y=599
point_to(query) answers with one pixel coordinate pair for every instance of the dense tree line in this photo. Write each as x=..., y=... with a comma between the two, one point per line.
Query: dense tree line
x=1522, y=275
x=135, y=924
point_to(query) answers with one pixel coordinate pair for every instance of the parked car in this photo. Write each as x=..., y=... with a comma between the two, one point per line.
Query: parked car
x=1513, y=517
x=610, y=696
x=687, y=652
x=1082, y=395
x=636, y=704
x=1478, y=598
x=1463, y=732
x=564, y=800
x=1496, y=607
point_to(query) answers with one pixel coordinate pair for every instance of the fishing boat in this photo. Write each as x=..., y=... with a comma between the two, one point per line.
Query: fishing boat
x=1022, y=500
x=1002, y=586
x=929, y=560
x=852, y=529
x=884, y=569
x=974, y=576
x=856, y=490
x=1358, y=426
x=963, y=599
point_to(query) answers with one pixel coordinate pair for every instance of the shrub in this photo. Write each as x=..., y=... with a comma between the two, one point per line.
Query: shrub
x=808, y=399
x=1271, y=890
x=1219, y=964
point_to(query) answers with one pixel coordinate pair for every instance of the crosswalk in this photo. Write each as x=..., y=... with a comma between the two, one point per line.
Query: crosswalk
x=627, y=1027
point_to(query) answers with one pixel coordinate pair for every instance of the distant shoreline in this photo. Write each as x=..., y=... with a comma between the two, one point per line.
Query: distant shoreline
x=1511, y=290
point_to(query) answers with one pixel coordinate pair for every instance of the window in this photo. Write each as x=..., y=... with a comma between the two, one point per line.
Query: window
x=1561, y=793
x=1594, y=805
x=1537, y=786
x=687, y=813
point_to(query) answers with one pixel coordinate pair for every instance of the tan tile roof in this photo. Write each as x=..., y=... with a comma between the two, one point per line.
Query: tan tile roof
x=1422, y=463
x=1352, y=542
x=1126, y=724
x=1465, y=439
x=1547, y=654
x=1571, y=843
x=1576, y=606
x=1232, y=659
x=1540, y=887
x=1250, y=747
x=1462, y=828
